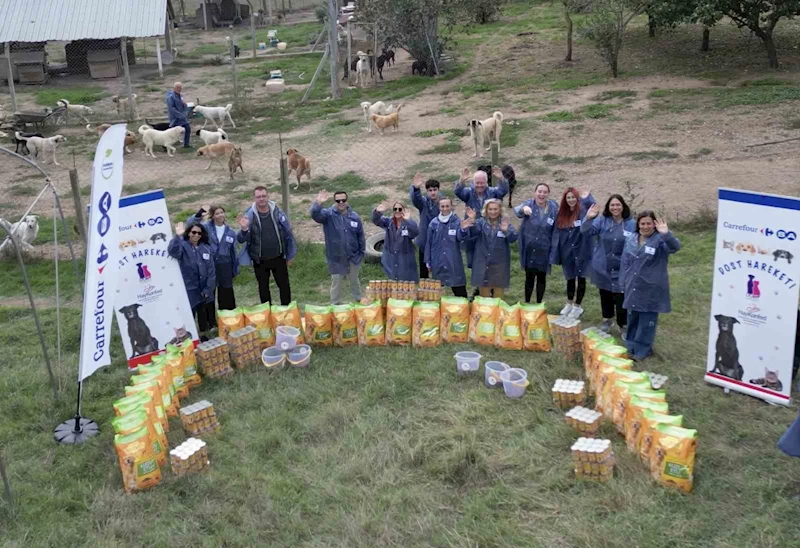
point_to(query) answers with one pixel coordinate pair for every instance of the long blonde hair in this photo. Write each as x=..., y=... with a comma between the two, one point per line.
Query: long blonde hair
x=486, y=208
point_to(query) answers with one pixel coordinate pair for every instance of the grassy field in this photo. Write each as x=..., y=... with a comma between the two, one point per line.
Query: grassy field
x=385, y=447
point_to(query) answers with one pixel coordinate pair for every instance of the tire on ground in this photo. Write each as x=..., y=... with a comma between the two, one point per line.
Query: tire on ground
x=374, y=246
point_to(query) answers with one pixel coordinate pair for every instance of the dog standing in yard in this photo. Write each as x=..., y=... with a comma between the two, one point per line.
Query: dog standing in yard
x=20, y=144
x=382, y=122
x=362, y=69
x=215, y=114
x=212, y=137
x=130, y=137
x=42, y=144
x=80, y=110
x=486, y=131
x=378, y=107
x=166, y=139
x=301, y=166
x=235, y=161
x=124, y=103
x=215, y=152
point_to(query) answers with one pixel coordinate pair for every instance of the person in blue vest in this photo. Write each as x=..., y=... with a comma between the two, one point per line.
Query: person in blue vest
x=222, y=239
x=535, y=239
x=428, y=206
x=398, y=257
x=493, y=235
x=344, y=243
x=474, y=193
x=190, y=247
x=176, y=112
x=571, y=249
x=608, y=234
x=645, y=280
x=269, y=245
x=443, y=249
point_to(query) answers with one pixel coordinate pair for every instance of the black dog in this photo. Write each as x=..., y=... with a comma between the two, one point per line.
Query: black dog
x=389, y=54
x=381, y=60
x=419, y=66
x=511, y=177
x=21, y=144
x=158, y=236
x=727, y=358
x=235, y=50
x=138, y=332
x=783, y=254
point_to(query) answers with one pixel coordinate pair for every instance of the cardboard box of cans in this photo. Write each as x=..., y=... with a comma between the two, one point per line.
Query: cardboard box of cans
x=190, y=456
x=245, y=347
x=213, y=358
x=199, y=418
x=383, y=290
x=567, y=394
x=593, y=459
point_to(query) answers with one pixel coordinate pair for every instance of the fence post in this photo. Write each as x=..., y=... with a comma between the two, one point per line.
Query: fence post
x=6, y=483
x=205, y=16
x=316, y=74
x=158, y=56
x=11, y=87
x=333, y=48
x=76, y=200
x=495, y=146
x=233, y=70
x=123, y=44
x=349, y=55
x=375, y=55
x=252, y=26
x=285, y=184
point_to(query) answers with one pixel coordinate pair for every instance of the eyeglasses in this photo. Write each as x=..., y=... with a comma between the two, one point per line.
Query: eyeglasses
x=342, y=201
x=196, y=233
x=398, y=209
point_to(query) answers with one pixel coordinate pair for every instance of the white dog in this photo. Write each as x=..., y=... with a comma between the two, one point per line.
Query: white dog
x=23, y=232
x=362, y=69
x=215, y=114
x=43, y=145
x=212, y=137
x=378, y=107
x=486, y=131
x=81, y=110
x=165, y=138
x=123, y=104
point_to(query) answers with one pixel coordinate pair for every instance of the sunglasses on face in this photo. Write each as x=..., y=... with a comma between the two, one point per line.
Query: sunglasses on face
x=398, y=209
x=341, y=201
x=196, y=233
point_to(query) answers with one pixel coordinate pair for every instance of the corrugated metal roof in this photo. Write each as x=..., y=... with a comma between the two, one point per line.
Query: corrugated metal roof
x=64, y=20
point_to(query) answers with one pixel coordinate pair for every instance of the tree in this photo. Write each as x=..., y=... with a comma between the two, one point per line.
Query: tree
x=482, y=11
x=671, y=13
x=576, y=6
x=760, y=16
x=606, y=27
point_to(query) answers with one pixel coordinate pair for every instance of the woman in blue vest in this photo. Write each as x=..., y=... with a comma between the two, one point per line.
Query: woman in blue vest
x=443, y=249
x=645, y=281
x=493, y=235
x=222, y=239
x=398, y=257
x=608, y=233
x=571, y=249
x=535, y=239
x=195, y=256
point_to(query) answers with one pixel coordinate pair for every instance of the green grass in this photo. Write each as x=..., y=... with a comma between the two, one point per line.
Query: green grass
x=651, y=155
x=699, y=153
x=364, y=204
x=597, y=110
x=384, y=446
x=615, y=94
x=679, y=100
x=433, y=132
x=560, y=160
x=297, y=69
x=475, y=88
x=449, y=147
x=75, y=95
x=562, y=116
x=667, y=144
x=512, y=129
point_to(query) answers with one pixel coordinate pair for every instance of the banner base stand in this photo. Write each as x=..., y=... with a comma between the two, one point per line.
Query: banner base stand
x=75, y=431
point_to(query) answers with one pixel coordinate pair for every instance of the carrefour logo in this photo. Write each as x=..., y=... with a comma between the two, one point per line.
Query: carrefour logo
x=107, y=166
x=743, y=228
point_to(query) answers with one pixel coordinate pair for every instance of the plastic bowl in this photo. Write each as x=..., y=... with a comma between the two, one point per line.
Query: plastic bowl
x=492, y=371
x=467, y=362
x=273, y=357
x=281, y=46
x=300, y=356
x=286, y=337
x=515, y=381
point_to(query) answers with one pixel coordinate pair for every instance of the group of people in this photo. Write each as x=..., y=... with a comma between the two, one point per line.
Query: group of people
x=625, y=258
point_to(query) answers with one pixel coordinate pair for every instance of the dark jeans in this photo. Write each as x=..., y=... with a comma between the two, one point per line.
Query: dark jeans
x=204, y=312
x=611, y=302
x=225, y=298
x=641, y=333
x=423, y=268
x=459, y=291
x=534, y=276
x=571, y=290
x=187, y=133
x=278, y=268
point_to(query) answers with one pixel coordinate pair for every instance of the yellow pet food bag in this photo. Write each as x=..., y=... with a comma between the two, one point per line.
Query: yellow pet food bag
x=345, y=332
x=229, y=320
x=634, y=418
x=455, y=319
x=608, y=349
x=650, y=419
x=166, y=398
x=153, y=389
x=371, y=329
x=138, y=464
x=426, y=323
x=178, y=371
x=619, y=399
x=319, y=325
x=508, y=334
x=133, y=421
x=288, y=315
x=190, y=375
x=259, y=317
x=603, y=397
x=398, y=322
x=535, y=327
x=603, y=360
x=672, y=458
x=165, y=379
x=483, y=320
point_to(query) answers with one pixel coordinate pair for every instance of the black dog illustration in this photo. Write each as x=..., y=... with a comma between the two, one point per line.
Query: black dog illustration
x=783, y=254
x=141, y=339
x=727, y=360
x=158, y=236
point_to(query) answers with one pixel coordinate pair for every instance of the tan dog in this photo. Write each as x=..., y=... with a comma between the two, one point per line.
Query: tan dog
x=130, y=137
x=486, y=131
x=382, y=122
x=299, y=165
x=235, y=161
x=745, y=248
x=215, y=152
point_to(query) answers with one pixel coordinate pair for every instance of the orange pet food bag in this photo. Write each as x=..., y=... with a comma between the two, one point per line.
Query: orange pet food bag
x=455, y=319
x=319, y=325
x=426, y=323
x=398, y=322
x=535, y=327
x=370, y=324
x=259, y=316
x=508, y=334
x=345, y=332
x=229, y=320
x=483, y=320
x=288, y=315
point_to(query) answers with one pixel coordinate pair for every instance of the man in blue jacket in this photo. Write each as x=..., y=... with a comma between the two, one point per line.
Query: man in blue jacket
x=269, y=245
x=176, y=111
x=344, y=243
x=428, y=207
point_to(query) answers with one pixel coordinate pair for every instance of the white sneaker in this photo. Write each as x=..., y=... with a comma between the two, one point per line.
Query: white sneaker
x=576, y=312
x=605, y=327
x=567, y=309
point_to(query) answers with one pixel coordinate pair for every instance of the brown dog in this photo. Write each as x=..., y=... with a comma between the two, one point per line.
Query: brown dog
x=382, y=122
x=235, y=161
x=299, y=165
x=215, y=152
x=130, y=137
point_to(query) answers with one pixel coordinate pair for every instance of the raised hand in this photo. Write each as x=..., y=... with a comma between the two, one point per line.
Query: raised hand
x=244, y=223
x=206, y=209
x=470, y=213
x=465, y=173
x=180, y=228
x=661, y=225
x=383, y=206
x=593, y=212
x=322, y=197
x=497, y=174
x=504, y=224
x=406, y=214
x=527, y=210
x=418, y=180
x=468, y=222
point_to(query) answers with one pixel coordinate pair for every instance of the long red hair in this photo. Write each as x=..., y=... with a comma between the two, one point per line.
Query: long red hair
x=566, y=217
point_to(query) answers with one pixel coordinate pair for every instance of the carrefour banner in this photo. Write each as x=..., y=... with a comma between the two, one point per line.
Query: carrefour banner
x=751, y=334
x=101, y=251
x=151, y=302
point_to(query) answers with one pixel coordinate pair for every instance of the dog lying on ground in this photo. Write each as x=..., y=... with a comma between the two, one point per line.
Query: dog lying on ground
x=166, y=138
x=21, y=145
x=142, y=341
x=24, y=233
x=81, y=110
x=43, y=145
x=130, y=137
x=235, y=161
x=379, y=107
x=212, y=137
x=301, y=166
x=215, y=114
x=215, y=152
x=419, y=66
x=124, y=103
x=382, y=122
x=486, y=131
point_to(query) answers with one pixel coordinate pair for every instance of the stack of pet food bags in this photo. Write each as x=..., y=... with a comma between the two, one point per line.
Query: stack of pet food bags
x=331, y=325
x=566, y=336
x=493, y=322
x=263, y=317
x=640, y=413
